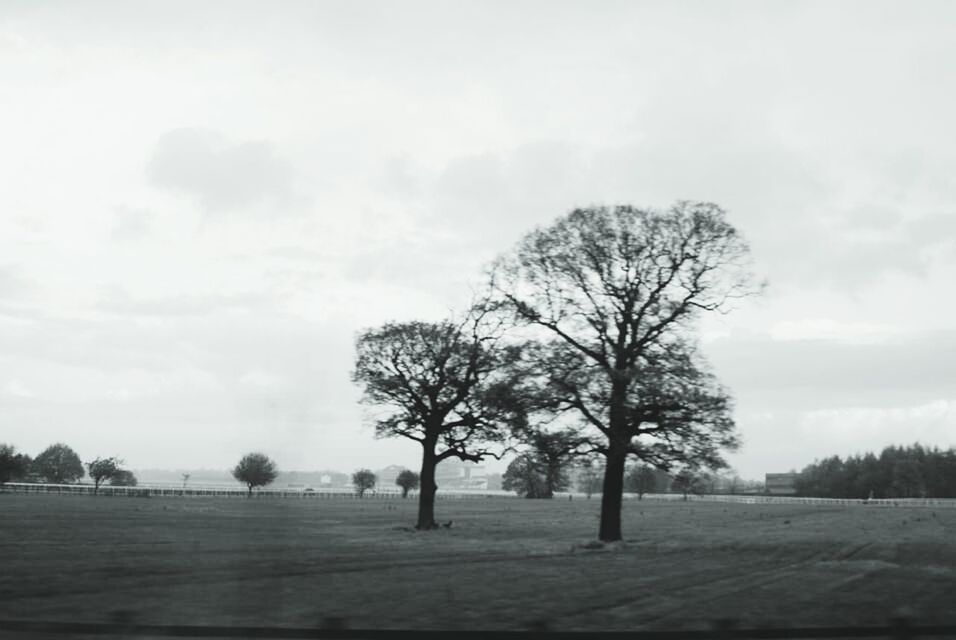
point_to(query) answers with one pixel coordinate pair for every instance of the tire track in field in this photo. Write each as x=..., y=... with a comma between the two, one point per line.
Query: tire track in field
x=758, y=574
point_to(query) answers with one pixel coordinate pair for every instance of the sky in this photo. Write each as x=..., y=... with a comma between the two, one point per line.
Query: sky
x=202, y=204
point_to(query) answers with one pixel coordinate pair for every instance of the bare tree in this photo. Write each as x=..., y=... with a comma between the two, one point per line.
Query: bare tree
x=441, y=385
x=616, y=290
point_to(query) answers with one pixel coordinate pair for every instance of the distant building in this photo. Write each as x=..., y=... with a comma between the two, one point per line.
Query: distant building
x=781, y=484
x=386, y=477
x=453, y=473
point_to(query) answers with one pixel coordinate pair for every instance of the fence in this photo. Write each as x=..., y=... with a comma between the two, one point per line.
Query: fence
x=146, y=491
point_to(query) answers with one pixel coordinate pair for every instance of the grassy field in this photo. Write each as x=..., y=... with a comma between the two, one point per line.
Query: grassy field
x=505, y=563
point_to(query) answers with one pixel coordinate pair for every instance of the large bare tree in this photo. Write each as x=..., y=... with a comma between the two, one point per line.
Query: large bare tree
x=612, y=295
x=443, y=385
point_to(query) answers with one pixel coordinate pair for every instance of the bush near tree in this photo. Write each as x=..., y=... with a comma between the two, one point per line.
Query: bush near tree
x=123, y=478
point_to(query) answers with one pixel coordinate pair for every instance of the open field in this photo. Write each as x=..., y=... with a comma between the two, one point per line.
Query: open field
x=505, y=563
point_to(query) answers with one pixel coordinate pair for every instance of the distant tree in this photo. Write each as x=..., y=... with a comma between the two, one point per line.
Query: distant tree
x=58, y=464
x=363, y=480
x=13, y=465
x=907, y=479
x=687, y=481
x=641, y=480
x=897, y=472
x=524, y=477
x=407, y=480
x=554, y=452
x=442, y=385
x=255, y=470
x=123, y=478
x=494, y=481
x=101, y=470
x=590, y=475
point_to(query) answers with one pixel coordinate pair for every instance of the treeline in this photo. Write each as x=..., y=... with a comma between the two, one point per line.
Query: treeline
x=59, y=464
x=897, y=472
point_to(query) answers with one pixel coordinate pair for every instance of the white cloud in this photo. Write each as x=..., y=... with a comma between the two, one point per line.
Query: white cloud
x=223, y=175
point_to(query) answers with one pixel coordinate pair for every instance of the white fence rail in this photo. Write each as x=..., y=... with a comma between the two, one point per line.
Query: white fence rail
x=145, y=491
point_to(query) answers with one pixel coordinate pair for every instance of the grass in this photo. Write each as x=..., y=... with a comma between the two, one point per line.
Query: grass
x=505, y=563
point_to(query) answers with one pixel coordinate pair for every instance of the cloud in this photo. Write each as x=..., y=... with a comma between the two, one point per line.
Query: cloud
x=116, y=300
x=821, y=374
x=131, y=223
x=223, y=175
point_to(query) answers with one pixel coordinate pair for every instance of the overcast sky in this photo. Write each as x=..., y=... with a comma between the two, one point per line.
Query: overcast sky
x=202, y=203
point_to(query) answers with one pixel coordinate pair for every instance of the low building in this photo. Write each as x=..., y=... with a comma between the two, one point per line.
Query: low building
x=453, y=473
x=386, y=477
x=781, y=484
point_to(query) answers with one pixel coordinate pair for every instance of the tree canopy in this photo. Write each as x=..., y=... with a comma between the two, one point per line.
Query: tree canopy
x=897, y=472
x=363, y=480
x=102, y=469
x=59, y=464
x=611, y=296
x=543, y=469
x=123, y=478
x=13, y=465
x=407, y=480
x=255, y=470
x=642, y=479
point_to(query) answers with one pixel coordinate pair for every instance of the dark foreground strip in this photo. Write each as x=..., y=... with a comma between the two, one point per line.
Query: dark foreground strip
x=723, y=631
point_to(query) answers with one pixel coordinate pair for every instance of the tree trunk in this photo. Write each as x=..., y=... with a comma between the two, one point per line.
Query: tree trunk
x=426, y=494
x=613, y=495
x=249, y=495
